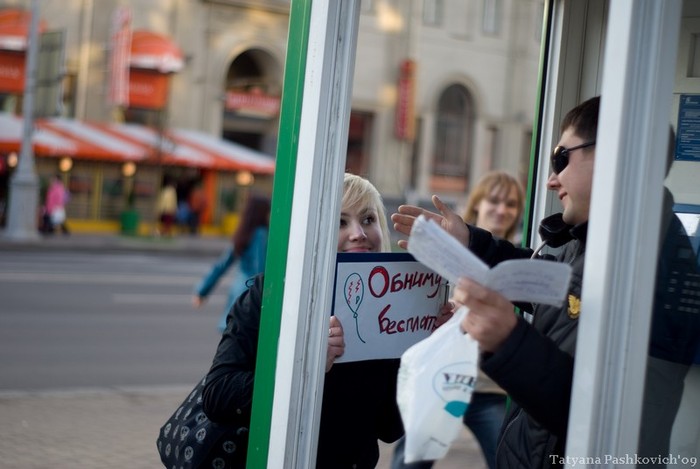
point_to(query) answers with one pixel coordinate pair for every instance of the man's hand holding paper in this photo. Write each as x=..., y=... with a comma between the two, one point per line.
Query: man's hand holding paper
x=490, y=320
x=526, y=280
x=487, y=293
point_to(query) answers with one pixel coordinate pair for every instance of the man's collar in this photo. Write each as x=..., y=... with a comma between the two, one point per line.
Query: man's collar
x=555, y=232
x=580, y=231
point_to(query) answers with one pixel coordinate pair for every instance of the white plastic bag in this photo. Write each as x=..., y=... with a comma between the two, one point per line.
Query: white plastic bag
x=58, y=216
x=435, y=383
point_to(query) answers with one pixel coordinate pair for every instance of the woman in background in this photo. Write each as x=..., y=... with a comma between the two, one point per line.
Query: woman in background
x=248, y=247
x=55, y=205
x=166, y=206
x=496, y=204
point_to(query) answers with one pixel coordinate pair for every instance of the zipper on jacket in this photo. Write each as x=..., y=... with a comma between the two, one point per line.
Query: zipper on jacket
x=517, y=415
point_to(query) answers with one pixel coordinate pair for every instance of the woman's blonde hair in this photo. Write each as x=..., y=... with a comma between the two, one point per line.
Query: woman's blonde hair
x=359, y=192
x=499, y=181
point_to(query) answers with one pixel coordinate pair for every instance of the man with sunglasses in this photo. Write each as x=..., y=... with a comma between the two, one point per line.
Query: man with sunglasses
x=532, y=359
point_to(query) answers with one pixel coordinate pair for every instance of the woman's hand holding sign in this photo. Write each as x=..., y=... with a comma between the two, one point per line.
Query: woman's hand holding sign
x=336, y=342
x=445, y=313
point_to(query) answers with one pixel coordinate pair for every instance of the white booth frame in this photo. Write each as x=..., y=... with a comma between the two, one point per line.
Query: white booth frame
x=636, y=82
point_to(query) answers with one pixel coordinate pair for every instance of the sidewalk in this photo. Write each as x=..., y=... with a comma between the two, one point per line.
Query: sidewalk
x=117, y=429
x=183, y=244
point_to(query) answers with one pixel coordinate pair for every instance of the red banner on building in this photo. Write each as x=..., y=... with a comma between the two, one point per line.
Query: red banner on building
x=148, y=89
x=120, y=45
x=405, y=120
x=254, y=103
x=12, y=71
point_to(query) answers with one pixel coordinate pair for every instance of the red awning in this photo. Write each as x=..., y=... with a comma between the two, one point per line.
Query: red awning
x=45, y=143
x=57, y=137
x=153, y=51
x=14, y=29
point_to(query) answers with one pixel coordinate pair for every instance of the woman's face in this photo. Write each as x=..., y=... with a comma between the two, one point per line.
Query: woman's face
x=498, y=211
x=359, y=230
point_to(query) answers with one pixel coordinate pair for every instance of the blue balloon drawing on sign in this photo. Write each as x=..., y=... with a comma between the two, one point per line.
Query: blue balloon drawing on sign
x=354, y=292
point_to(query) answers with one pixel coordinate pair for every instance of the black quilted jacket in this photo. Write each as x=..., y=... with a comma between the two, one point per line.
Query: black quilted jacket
x=536, y=362
x=359, y=399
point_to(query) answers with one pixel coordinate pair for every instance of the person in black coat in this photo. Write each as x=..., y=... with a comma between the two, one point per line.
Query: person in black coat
x=531, y=356
x=359, y=398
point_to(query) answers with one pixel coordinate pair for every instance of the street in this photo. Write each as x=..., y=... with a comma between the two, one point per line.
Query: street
x=98, y=349
x=73, y=320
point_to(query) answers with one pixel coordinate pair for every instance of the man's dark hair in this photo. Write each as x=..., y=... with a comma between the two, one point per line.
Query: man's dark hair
x=584, y=119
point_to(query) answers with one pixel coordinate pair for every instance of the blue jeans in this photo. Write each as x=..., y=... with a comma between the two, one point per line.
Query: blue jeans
x=483, y=417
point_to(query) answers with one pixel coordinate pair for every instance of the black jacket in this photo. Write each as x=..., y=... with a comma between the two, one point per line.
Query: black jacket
x=359, y=407
x=535, y=364
x=359, y=399
x=228, y=393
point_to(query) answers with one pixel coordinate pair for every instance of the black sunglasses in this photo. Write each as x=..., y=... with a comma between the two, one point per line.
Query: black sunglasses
x=560, y=156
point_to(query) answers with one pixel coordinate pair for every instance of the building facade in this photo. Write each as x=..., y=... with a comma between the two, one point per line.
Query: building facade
x=444, y=90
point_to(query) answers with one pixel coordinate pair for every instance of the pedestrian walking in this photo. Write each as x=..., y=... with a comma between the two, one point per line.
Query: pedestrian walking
x=247, y=251
x=55, y=206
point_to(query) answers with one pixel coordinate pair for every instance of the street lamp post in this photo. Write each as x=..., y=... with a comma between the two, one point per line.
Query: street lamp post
x=22, y=213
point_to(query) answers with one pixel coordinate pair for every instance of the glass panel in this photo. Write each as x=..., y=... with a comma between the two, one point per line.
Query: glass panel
x=672, y=388
x=670, y=429
x=81, y=185
x=694, y=66
x=491, y=19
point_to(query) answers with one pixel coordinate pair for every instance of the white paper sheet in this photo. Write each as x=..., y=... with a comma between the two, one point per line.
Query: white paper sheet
x=528, y=280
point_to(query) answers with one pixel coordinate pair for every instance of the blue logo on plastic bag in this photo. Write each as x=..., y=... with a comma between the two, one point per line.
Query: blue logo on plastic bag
x=454, y=387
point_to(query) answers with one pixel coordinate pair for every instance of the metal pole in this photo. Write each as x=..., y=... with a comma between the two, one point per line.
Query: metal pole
x=22, y=214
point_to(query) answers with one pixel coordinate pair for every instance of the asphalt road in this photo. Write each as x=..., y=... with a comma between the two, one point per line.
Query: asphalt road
x=98, y=348
x=89, y=320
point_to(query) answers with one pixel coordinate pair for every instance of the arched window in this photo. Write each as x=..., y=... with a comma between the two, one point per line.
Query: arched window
x=252, y=100
x=454, y=132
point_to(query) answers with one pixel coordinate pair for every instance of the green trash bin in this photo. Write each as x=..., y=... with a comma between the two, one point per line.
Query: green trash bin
x=130, y=222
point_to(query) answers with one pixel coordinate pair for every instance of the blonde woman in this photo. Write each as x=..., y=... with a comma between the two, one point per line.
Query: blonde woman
x=359, y=398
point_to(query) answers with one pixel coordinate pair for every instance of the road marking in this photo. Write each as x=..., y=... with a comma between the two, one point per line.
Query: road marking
x=98, y=278
x=155, y=389
x=161, y=299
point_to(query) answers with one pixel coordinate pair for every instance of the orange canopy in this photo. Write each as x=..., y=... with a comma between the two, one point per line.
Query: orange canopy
x=14, y=29
x=56, y=137
x=153, y=51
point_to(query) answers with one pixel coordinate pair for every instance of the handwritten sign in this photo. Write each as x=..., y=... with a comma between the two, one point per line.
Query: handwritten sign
x=386, y=302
